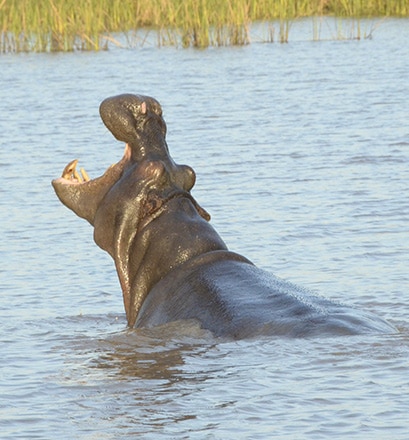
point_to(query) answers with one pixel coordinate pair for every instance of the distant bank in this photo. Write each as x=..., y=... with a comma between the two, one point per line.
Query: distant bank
x=67, y=25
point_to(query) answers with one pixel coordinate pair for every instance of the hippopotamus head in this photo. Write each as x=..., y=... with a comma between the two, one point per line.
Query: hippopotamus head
x=136, y=120
x=135, y=204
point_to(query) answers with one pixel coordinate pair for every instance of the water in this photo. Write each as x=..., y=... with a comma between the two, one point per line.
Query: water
x=302, y=158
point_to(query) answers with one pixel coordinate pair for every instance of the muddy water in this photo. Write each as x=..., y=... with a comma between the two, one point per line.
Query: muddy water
x=302, y=157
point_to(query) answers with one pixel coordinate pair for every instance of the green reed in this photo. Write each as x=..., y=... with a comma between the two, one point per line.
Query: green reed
x=65, y=25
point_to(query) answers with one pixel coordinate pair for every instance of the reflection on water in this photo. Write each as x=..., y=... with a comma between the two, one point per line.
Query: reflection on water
x=301, y=153
x=153, y=353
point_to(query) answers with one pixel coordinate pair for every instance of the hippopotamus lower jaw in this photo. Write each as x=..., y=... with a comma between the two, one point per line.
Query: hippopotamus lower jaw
x=83, y=195
x=126, y=116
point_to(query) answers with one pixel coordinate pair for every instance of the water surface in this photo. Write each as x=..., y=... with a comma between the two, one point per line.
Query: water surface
x=302, y=158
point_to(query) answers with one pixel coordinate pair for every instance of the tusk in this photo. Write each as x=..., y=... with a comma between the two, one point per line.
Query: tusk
x=69, y=169
x=70, y=173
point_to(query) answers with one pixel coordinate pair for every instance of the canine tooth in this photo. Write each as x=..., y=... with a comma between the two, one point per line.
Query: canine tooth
x=85, y=175
x=69, y=170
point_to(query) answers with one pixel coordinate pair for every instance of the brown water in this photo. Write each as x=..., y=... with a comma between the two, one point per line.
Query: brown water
x=302, y=157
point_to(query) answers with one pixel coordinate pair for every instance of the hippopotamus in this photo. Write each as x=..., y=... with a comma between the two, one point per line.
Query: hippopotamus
x=172, y=264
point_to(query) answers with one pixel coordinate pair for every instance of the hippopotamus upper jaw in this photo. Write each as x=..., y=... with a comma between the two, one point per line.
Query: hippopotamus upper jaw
x=137, y=120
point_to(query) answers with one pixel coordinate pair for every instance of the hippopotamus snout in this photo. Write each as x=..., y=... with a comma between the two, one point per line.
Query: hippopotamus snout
x=137, y=120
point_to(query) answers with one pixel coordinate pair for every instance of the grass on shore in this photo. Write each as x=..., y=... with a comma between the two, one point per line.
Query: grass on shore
x=66, y=25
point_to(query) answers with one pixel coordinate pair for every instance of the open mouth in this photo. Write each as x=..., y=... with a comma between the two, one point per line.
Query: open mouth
x=70, y=173
x=82, y=194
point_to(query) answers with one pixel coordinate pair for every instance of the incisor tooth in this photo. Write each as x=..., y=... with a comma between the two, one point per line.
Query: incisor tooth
x=85, y=175
x=76, y=174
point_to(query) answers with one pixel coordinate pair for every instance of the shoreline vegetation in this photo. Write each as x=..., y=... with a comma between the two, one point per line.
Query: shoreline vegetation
x=68, y=25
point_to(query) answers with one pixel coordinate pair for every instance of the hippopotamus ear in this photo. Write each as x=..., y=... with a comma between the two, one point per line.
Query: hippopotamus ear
x=123, y=116
x=143, y=108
